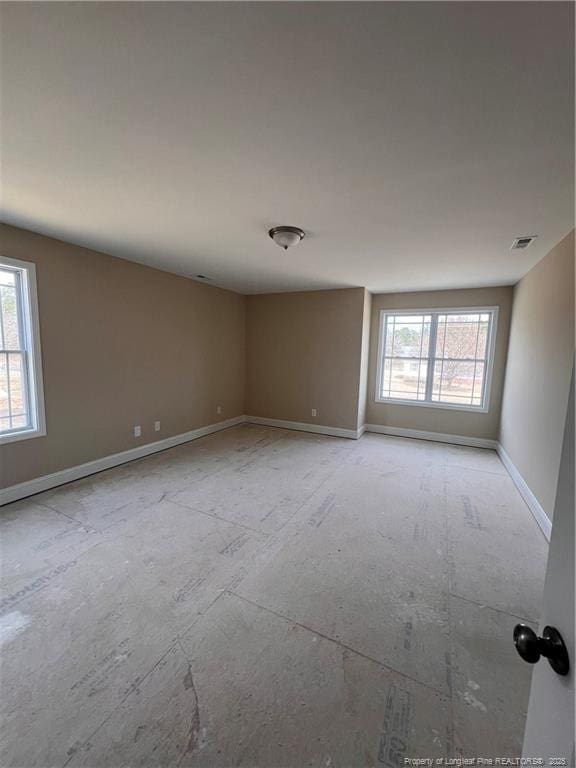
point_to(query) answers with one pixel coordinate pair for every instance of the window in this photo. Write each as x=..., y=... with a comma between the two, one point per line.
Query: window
x=439, y=358
x=21, y=396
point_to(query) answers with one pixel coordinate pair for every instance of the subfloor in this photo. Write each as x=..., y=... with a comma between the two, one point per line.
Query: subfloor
x=269, y=598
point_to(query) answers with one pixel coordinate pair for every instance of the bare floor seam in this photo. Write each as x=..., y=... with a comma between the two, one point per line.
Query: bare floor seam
x=64, y=514
x=114, y=709
x=338, y=643
x=492, y=608
x=216, y=517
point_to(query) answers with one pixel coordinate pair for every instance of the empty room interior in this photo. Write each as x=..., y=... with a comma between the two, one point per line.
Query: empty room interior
x=286, y=384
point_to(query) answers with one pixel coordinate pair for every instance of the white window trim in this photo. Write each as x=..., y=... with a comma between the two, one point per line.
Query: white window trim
x=31, y=330
x=485, y=407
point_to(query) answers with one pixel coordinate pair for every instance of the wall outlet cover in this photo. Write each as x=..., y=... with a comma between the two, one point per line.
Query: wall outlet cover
x=156, y=426
x=137, y=431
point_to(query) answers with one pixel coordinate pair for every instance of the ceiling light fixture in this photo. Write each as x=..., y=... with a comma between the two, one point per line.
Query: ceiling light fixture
x=286, y=237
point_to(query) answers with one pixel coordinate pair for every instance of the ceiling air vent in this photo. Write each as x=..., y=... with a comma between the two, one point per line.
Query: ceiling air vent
x=522, y=242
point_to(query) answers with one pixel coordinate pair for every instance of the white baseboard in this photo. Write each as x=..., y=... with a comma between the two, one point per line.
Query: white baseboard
x=438, y=437
x=531, y=501
x=44, y=483
x=301, y=426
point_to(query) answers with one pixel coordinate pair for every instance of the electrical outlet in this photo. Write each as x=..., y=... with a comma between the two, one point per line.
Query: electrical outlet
x=314, y=412
x=156, y=426
x=138, y=431
x=218, y=409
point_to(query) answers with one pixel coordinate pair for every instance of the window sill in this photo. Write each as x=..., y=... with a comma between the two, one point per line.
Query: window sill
x=443, y=406
x=24, y=434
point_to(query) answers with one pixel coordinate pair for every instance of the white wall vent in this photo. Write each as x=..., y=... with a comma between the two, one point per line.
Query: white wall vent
x=522, y=242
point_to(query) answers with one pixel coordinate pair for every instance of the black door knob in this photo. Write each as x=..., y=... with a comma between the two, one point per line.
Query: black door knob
x=550, y=645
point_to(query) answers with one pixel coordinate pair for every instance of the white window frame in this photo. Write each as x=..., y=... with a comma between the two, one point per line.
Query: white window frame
x=30, y=325
x=491, y=347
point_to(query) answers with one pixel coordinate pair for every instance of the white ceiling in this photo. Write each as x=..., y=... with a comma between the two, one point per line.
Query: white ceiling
x=412, y=141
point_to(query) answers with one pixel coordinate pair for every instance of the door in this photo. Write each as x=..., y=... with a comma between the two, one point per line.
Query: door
x=549, y=730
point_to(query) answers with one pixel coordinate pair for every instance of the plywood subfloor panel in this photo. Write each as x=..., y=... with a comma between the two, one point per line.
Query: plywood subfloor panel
x=268, y=598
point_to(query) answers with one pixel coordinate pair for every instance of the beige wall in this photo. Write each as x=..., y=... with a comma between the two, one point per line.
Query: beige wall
x=538, y=374
x=447, y=421
x=122, y=344
x=303, y=351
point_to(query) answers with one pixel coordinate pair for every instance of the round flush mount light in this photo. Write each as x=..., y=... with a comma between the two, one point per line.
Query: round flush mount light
x=286, y=237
